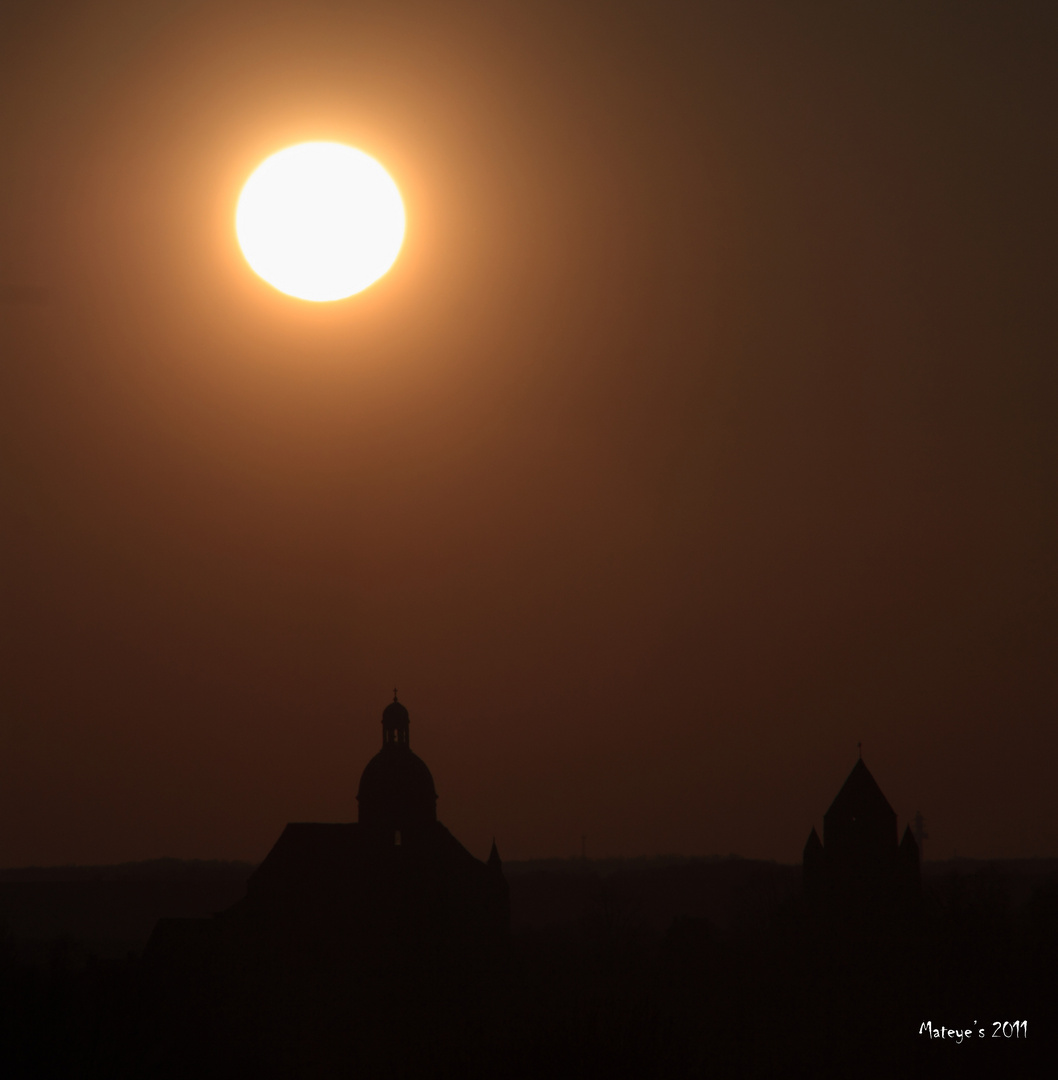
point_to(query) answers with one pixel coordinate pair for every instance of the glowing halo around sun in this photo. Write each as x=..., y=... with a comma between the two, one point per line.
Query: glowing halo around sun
x=320, y=221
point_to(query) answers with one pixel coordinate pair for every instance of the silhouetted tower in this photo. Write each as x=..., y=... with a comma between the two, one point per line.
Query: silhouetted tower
x=397, y=799
x=859, y=829
x=859, y=862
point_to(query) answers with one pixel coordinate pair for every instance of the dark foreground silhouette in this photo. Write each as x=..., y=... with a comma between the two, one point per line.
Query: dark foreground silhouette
x=779, y=991
x=385, y=949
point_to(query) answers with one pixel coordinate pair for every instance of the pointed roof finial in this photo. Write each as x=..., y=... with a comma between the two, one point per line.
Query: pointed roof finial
x=859, y=745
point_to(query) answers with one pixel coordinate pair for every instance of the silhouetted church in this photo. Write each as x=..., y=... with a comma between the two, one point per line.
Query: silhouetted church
x=859, y=864
x=393, y=891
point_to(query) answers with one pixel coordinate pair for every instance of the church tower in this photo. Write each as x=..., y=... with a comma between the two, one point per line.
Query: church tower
x=859, y=863
x=397, y=799
x=859, y=829
x=394, y=892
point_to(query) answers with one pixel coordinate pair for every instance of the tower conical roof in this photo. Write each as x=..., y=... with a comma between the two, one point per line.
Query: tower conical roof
x=860, y=796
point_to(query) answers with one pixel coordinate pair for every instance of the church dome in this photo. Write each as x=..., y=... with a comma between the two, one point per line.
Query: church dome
x=396, y=791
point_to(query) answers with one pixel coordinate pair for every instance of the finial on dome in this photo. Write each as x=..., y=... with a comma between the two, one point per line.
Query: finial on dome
x=394, y=693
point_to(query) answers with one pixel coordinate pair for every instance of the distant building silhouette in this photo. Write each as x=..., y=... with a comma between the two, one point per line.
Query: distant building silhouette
x=859, y=864
x=391, y=892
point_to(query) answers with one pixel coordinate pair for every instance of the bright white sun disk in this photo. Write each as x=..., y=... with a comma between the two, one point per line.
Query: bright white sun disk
x=320, y=221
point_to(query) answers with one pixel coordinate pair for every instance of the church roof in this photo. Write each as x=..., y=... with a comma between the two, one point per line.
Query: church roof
x=321, y=864
x=307, y=850
x=860, y=797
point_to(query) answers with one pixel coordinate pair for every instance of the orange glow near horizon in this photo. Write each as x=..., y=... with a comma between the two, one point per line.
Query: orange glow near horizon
x=320, y=221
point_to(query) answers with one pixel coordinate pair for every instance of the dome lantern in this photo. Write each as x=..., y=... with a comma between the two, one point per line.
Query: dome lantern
x=394, y=724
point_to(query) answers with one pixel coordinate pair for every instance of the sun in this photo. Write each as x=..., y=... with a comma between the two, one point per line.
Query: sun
x=320, y=221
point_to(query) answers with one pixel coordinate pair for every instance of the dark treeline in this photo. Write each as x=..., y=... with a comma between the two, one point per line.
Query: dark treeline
x=147, y=870
x=601, y=978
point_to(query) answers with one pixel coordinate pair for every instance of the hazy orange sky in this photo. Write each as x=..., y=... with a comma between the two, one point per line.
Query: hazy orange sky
x=704, y=427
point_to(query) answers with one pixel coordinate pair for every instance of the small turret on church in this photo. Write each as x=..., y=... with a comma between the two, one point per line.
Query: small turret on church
x=394, y=724
x=494, y=862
